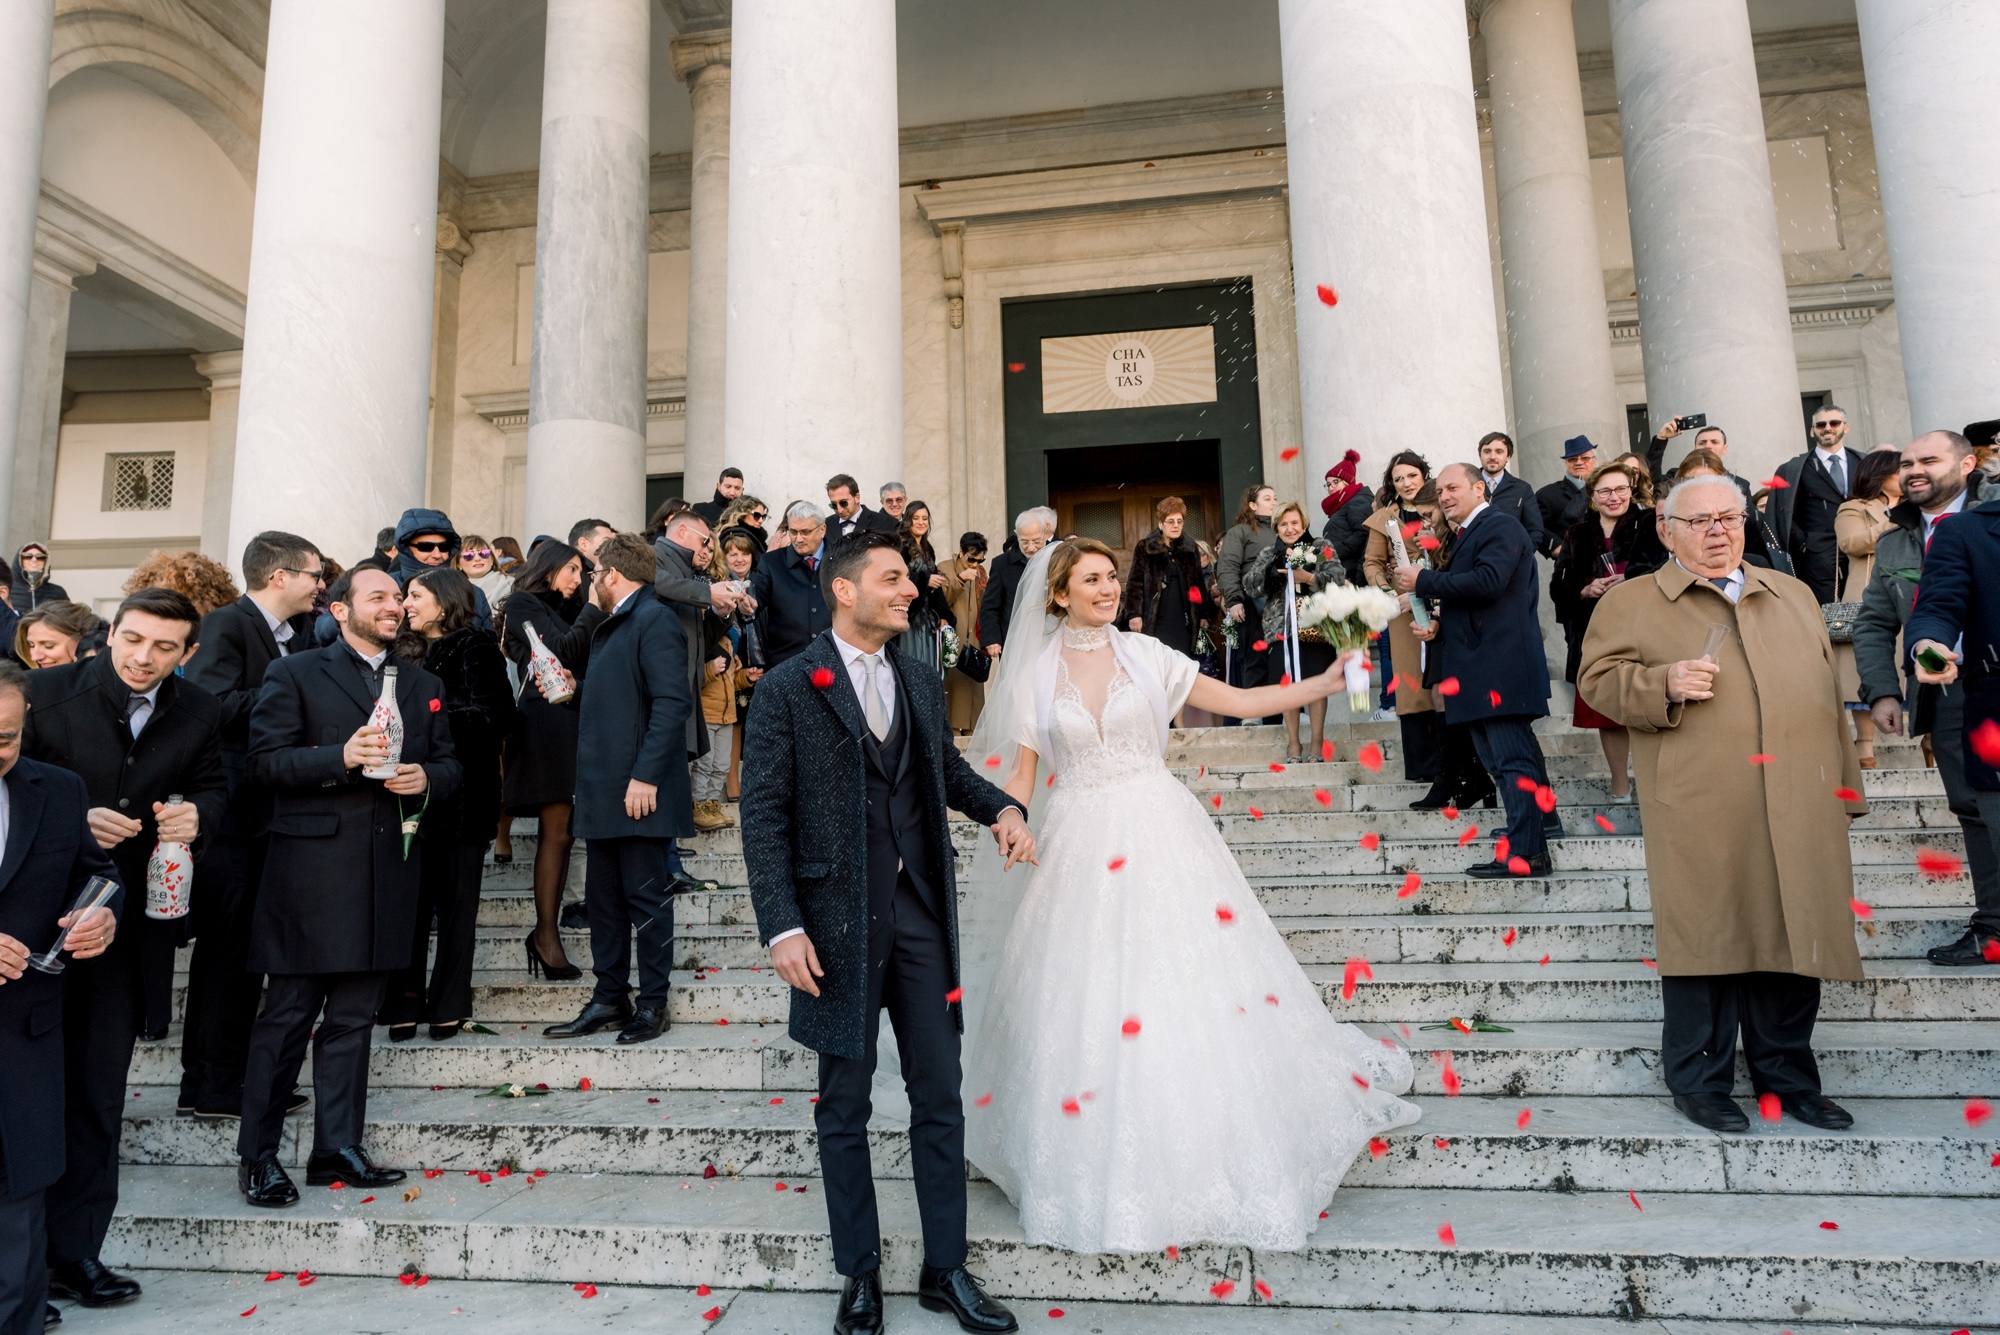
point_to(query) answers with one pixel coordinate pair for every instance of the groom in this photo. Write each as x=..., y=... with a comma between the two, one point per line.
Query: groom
x=848, y=852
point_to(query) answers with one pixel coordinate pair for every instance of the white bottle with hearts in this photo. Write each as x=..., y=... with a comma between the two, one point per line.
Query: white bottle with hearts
x=168, y=875
x=547, y=668
x=390, y=720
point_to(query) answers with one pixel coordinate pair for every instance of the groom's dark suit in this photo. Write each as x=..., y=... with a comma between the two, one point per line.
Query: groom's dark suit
x=846, y=837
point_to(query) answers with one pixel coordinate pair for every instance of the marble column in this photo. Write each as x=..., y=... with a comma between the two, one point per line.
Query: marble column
x=1714, y=322
x=1388, y=219
x=25, y=28
x=1557, y=334
x=815, y=343
x=1937, y=150
x=224, y=372
x=31, y=478
x=454, y=247
x=587, y=396
x=337, y=332
x=701, y=60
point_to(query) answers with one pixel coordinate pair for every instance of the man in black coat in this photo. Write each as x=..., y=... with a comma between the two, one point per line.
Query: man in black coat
x=47, y=856
x=1562, y=503
x=1801, y=513
x=727, y=488
x=137, y=735
x=337, y=907
x=1489, y=639
x=791, y=600
x=843, y=493
x=1505, y=492
x=848, y=851
x=633, y=796
x=238, y=642
x=1033, y=530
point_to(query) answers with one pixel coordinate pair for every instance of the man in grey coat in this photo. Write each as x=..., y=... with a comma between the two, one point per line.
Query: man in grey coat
x=1940, y=477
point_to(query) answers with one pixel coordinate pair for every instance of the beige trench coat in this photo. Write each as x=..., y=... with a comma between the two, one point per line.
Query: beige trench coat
x=964, y=586
x=1405, y=657
x=1748, y=864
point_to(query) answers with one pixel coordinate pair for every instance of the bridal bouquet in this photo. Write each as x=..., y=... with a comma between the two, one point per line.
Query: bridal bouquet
x=1349, y=615
x=948, y=647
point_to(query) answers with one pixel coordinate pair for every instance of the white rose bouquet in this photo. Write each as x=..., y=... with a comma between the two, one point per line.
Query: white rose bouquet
x=1349, y=615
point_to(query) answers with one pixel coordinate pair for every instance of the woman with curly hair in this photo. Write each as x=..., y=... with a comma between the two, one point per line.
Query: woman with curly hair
x=203, y=582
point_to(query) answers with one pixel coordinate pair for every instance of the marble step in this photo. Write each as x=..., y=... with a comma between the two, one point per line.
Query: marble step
x=1310, y=820
x=1277, y=852
x=1857, y=1058
x=1562, y=892
x=1764, y=1258
x=1897, y=1147
x=1482, y=938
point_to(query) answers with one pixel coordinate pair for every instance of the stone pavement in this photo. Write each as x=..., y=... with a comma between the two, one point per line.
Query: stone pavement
x=1605, y=1211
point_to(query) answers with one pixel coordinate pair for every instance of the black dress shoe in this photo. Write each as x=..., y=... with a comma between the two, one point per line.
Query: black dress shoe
x=1539, y=865
x=594, y=1016
x=860, y=1310
x=648, y=1023
x=266, y=1183
x=51, y=1316
x=684, y=884
x=957, y=1292
x=1968, y=949
x=89, y=1283
x=295, y=1102
x=350, y=1166
x=1817, y=1110
x=574, y=917
x=152, y=1035
x=1717, y=1112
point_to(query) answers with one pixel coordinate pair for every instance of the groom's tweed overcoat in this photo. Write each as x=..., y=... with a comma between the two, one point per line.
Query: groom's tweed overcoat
x=805, y=824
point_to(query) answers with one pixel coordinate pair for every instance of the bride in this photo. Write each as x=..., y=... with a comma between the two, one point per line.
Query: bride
x=1151, y=1067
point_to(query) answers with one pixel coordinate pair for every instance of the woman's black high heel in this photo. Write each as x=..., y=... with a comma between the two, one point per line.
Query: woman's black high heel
x=1480, y=797
x=402, y=1033
x=1437, y=799
x=441, y=1032
x=539, y=967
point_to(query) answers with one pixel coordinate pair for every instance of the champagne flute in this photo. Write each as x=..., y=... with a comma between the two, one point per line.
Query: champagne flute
x=1717, y=635
x=93, y=895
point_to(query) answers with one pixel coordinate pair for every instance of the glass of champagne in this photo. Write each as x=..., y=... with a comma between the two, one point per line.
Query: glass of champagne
x=93, y=895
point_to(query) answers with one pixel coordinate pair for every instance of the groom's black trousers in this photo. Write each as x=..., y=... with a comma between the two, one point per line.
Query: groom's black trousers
x=909, y=972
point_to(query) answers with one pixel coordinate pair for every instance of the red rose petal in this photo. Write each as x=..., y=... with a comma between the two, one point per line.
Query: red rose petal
x=1056, y=1313
x=1545, y=798
x=505, y=1171
x=1289, y=453
x=253, y=1308
x=1633, y=1196
x=1411, y=884
x=1449, y=1076
x=1328, y=296
x=1412, y=527
x=1263, y=1290
x=1224, y=914
x=1446, y=1236
x=722, y=1021
x=1071, y=1108
x=953, y=997
x=1194, y=596
x=1377, y=1147
x=1776, y=483
x=1017, y=367
x=1847, y=794
x=1762, y=759
x=993, y=762
x=775, y=1102
x=1216, y=801
x=1173, y=1252
x=1471, y=833
x=1985, y=741
x=485, y=1178
x=366, y=1199
x=1370, y=757
x=433, y=1172
x=982, y=1100
x=652, y=1100
x=1604, y=823
x=1357, y=969
x=1260, y=646
x=1649, y=964
x=1256, y=814
x=1939, y=865
x=1359, y=1079
x=306, y=1277
x=1525, y=784
x=707, y=1171
x=1371, y=841
x=701, y=1290
x=822, y=677
x=1519, y=866
x=1543, y=961
x=1507, y=938
x=1221, y=1289
x=1977, y=1111
x=1861, y=910
x=1500, y=849
x=336, y=1186
x=406, y=1280
x=1451, y=811
x=1276, y=768
x=1990, y=952
x=779, y=1187
x=1285, y=679
x=273, y=1276
x=1829, y=1225
x=1448, y=687
x=1770, y=1107
x=1440, y=1143
x=1323, y=797
x=1326, y=750
x=1429, y=543
x=1494, y=696
x=1051, y=783
x=1522, y=1120
x=712, y=1314
x=1463, y=1027
x=1131, y=1027
x=1271, y=998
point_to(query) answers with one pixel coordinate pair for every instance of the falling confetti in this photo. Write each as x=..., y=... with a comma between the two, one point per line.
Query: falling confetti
x=1604, y=823
x=1861, y=910
x=1263, y=1290
x=1449, y=1076
x=1216, y=801
x=1500, y=849
x=1446, y=1236
x=1429, y=543
x=1194, y=596
x=1847, y=794
x=1116, y=864
x=1411, y=884
x=1359, y=1079
x=822, y=677
x=1271, y=998
x=1224, y=914
x=1545, y=798
x=1221, y=1289
x=1285, y=679
x=1323, y=797
x=1633, y=1196
x=1518, y=866
x=1326, y=750
x=1370, y=757
x=1448, y=687
x=1776, y=483
x=1494, y=697
x=1071, y=1108
x=1985, y=741
x=993, y=762
x=1328, y=296
x=1131, y=1027
x=1288, y=454
x=1977, y=1111
x=1450, y=811
x=1522, y=1120
x=1377, y=1147
x=1260, y=646
x=1507, y=938
x=1017, y=367
x=1938, y=865
x=1761, y=759
x=1357, y=969
x=1471, y=833
x=1526, y=784
x=1371, y=841
x=982, y=1100
x=953, y=997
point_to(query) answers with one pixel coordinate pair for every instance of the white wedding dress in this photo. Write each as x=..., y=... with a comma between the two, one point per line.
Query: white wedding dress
x=1161, y=1071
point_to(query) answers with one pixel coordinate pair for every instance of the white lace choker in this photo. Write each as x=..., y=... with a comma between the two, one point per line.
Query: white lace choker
x=1085, y=637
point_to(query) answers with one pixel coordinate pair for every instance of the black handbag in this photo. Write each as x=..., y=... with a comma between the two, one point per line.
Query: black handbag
x=750, y=642
x=973, y=662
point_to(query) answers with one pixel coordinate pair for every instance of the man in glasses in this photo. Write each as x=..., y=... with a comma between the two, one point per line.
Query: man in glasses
x=1748, y=778
x=1801, y=515
x=238, y=642
x=426, y=540
x=32, y=585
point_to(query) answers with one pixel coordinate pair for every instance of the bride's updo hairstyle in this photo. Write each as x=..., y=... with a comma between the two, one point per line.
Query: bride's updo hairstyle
x=1063, y=560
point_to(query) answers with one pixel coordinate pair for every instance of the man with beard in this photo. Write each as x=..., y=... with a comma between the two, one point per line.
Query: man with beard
x=337, y=908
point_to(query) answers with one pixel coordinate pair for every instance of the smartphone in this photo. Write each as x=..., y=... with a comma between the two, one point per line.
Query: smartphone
x=1692, y=422
x=1932, y=660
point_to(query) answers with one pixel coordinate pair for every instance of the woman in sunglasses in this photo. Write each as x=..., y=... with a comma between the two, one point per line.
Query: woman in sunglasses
x=32, y=586
x=479, y=561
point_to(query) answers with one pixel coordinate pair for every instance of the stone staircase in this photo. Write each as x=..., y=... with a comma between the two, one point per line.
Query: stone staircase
x=1600, y=1202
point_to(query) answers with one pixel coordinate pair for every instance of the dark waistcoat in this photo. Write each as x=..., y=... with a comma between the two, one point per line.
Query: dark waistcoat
x=896, y=838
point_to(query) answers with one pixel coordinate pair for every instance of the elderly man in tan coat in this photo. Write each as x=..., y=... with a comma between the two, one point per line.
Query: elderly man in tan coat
x=1747, y=782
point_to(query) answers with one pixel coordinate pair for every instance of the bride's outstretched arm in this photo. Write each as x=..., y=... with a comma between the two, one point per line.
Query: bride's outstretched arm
x=1020, y=784
x=1220, y=698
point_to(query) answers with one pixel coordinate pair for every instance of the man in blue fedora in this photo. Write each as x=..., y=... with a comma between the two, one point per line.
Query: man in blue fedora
x=1563, y=501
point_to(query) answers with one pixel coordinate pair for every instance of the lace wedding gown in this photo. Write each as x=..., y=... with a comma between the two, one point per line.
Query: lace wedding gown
x=1161, y=1071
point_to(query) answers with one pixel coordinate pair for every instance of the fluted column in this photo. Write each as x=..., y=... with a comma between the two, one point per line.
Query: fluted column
x=1937, y=149
x=1388, y=218
x=815, y=343
x=224, y=372
x=337, y=333
x=1714, y=321
x=1557, y=335
x=25, y=28
x=701, y=60
x=587, y=396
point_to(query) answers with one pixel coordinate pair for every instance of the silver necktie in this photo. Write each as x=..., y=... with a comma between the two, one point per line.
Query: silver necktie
x=871, y=700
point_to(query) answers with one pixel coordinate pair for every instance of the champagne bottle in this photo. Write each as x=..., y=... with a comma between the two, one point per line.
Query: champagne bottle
x=168, y=872
x=390, y=720
x=547, y=668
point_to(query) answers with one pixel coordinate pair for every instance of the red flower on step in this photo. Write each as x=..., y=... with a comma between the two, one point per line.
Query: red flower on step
x=1449, y=1076
x=1939, y=865
x=1462, y=1026
x=1263, y=1290
x=1446, y=1236
x=1471, y=833
x=1377, y=1147
x=1604, y=823
x=1977, y=1111
x=1370, y=757
x=1221, y=1289
x=1522, y=1120
x=1131, y=1027
x=1357, y=968
x=1328, y=296
x=1371, y=841
x=1411, y=884
x=822, y=677
x=1323, y=797
x=1507, y=938
x=1634, y=1197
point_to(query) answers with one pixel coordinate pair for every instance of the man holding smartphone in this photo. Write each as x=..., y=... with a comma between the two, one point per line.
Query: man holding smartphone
x=1954, y=638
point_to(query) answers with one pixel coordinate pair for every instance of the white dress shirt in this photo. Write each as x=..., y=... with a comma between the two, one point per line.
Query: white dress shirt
x=1477, y=511
x=1734, y=592
x=1834, y=461
x=857, y=675
x=281, y=631
x=136, y=720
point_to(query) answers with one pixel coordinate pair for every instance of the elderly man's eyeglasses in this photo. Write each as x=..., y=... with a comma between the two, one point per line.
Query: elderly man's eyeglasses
x=1729, y=523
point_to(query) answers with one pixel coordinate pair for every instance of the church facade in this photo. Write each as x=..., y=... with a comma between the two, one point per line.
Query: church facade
x=302, y=266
